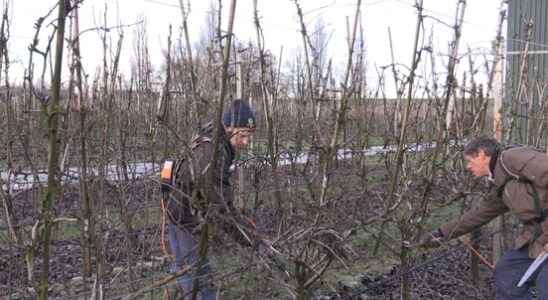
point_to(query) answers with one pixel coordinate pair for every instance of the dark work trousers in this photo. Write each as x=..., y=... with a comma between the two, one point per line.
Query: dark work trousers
x=184, y=248
x=508, y=272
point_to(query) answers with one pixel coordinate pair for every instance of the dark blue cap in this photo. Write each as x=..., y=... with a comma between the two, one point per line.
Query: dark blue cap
x=239, y=115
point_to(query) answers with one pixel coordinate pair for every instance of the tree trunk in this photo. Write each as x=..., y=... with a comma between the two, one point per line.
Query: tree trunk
x=52, y=113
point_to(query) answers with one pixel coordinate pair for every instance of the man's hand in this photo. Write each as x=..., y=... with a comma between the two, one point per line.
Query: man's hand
x=432, y=239
x=546, y=247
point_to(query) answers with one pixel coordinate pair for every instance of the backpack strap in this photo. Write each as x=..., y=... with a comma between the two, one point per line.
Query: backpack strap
x=167, y=175
x=541, y=214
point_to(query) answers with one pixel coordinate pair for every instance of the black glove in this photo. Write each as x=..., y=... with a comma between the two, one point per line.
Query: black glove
x=432, y=239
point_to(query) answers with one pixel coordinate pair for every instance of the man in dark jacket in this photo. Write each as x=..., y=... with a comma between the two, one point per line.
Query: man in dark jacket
x=519, y=184
x=188, y=207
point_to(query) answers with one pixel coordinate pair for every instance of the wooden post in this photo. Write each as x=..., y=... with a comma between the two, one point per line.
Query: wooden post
x=499, y=244
x=239, y=76
x=498, y=94
x=239, y=95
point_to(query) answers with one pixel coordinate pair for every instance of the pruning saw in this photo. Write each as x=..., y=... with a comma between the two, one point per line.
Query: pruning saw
x=533, y=267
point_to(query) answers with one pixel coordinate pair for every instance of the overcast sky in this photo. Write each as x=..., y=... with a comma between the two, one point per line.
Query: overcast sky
x=279, y=20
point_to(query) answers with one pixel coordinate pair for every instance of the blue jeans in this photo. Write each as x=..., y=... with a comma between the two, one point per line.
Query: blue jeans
x=508, y=272
x=184, y=248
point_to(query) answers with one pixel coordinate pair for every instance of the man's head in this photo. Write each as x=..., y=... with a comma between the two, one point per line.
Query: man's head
x=478, y=154
x=239, y=122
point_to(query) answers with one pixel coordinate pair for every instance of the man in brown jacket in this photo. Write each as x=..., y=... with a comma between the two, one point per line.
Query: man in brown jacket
x=519, y=184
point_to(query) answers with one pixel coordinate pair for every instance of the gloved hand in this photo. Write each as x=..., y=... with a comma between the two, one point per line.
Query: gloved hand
x=432, y=239
x=268, y=248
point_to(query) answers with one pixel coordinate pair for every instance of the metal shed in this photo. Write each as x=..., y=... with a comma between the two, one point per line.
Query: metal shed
x=527, y=70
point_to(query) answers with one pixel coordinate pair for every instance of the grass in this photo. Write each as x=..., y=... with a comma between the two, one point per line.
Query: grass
x=70, y=230
x=386, y=259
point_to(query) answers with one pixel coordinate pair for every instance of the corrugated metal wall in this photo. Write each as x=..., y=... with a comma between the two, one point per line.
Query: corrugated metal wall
x=532, y=86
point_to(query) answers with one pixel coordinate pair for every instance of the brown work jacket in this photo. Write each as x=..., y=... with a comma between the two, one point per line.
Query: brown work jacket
x=527, y=167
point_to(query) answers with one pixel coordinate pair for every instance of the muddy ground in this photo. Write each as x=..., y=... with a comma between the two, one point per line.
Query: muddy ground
x=134, y=257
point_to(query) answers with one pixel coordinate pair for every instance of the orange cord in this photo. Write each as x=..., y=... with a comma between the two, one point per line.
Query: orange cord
x=250, y=221
x=167, y=295
x=163, y=238
x=481, y=257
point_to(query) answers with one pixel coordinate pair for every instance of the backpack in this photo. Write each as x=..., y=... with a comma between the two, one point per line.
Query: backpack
x=542, y=214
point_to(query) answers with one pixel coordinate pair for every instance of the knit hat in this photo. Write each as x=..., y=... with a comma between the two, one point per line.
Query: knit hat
x=239, y=115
